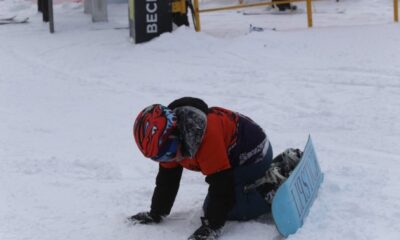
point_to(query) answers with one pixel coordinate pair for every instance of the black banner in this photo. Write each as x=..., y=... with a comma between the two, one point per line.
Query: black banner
x=151, y=18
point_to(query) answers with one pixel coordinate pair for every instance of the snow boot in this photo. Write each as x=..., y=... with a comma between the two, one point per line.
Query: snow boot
x=280, y=169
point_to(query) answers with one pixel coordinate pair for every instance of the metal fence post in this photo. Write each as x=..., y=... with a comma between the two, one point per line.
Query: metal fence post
x=51, y=16
x=87, y=6
x=99, y=10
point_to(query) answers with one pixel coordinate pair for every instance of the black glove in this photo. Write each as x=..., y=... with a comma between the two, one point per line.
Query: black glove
x=145, y=218
x=205, y=232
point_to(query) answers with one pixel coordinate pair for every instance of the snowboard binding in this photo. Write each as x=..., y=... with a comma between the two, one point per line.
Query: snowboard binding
x=280, y=169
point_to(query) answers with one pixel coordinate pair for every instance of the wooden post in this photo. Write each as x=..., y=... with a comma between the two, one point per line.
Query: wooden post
x=197, y=15
x=309, y=13
x=396, y=10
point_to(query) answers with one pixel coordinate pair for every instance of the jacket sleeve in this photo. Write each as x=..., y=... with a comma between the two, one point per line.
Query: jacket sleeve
x=221, y=193
x=167, y=186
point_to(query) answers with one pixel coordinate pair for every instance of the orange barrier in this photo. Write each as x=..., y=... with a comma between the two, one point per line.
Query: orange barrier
x=197, y=11
x=248, y=5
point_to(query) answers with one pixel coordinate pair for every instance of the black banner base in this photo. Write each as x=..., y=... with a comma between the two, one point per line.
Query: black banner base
x=149, y=18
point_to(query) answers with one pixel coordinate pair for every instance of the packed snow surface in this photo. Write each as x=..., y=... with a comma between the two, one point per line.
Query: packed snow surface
x=69, y=167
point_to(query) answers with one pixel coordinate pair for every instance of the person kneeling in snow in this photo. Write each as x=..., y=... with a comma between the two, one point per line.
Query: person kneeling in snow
x=284, y=6
x=230, y=149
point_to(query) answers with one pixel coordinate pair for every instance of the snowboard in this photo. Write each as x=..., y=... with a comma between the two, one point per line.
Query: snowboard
x=12, y=20
x=294, y=198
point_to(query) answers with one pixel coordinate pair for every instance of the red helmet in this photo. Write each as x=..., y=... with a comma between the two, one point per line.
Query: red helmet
x=153, y=128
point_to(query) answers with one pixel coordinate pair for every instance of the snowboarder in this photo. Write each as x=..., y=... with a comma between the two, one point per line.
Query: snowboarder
x=180, y=19
x=284, y=6
x=230, y=149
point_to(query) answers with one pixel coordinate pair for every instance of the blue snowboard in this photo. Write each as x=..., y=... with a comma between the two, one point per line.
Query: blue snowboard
x=294, y=197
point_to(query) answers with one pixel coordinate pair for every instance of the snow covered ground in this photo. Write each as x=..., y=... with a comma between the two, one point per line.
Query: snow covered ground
x=69, y=168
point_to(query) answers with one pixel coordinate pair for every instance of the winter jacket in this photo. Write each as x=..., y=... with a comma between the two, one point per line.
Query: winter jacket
x=214, y=141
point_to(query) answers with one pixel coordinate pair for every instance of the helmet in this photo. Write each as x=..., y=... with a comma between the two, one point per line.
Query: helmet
x=154, y=132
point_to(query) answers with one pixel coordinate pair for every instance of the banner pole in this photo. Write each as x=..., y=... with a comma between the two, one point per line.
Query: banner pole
x=51, y=16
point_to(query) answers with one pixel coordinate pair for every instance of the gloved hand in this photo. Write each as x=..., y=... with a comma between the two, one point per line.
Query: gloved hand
x=205, y=232
x=145, y=218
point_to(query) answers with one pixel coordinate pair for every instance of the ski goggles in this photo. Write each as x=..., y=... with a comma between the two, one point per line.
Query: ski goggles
x=168, y=151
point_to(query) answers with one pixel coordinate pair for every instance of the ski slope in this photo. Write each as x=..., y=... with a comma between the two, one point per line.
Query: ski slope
x=69, y=167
